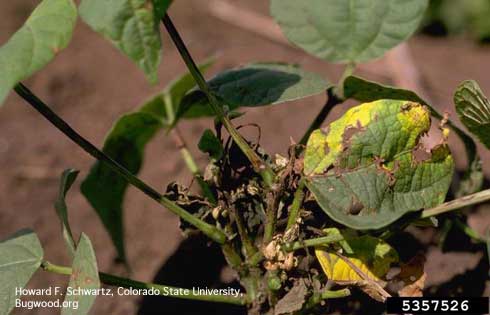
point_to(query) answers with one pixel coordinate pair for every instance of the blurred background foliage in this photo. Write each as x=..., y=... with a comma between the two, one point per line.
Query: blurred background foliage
x=459, y=17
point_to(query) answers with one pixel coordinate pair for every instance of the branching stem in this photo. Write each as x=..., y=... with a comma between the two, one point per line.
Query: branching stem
x=209, y=230
x=259, y=165
x=192, y=165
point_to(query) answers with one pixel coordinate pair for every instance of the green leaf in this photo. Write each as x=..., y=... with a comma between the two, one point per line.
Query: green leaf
x=132, y=26
x=367, y=91
x=254, y=85
x=84, y=278
x=180, y=86
x=103, y=187
x=165, y=104
x=348, y=30
x=473, y=109
x=161, y=7
x=126, y=141
x=368, y=168
x=20, y=257
x=67, y=179
x=47, y=31
x=210, y=144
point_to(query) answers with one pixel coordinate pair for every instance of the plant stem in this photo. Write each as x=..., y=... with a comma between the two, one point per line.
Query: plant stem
x=211, y=231
x=162, y=289
x=459, y=203
x=260, y=166
x=297, y=202
x=349, y=69
x=332, y=101
x=312, y=242
x=192, y=165
x=291, y=247
x=271, y=218
x=248, y=245
x=232, y=257
x=474, y=235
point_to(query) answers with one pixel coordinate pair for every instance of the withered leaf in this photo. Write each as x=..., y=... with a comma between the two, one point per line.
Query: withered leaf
x=293, y=300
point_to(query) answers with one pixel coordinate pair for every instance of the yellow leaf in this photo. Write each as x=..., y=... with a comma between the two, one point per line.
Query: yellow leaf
x=365, y=265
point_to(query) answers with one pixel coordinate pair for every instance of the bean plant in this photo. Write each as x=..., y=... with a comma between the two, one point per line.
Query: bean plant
x=298, y=230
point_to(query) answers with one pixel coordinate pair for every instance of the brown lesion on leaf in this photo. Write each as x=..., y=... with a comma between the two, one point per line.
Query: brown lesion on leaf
x=390, y=172
x=420, y=154
x=75, y=274
x=325, y=130
x=355, y=206
x=349, y=132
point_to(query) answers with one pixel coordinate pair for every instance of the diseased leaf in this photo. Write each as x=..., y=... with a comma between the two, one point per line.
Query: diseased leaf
x=367, y=91
x=365, y=266
x=293, y=300
x=473, y=109
x=67, y=179
x=369, y=168
x=47, y=31
x=210, y=144
x=132, y=26
x=253, y=85
x=84, y=278
x=125, y=143
x=348, y=30
x=20, y=257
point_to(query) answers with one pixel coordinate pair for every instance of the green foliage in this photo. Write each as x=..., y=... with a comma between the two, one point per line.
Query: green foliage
x=67, y=179
x=473, y=109
x=365, y=170
x=125, y=143
x=369, y=168
x=84, y=277
x=132, y=26
x=20, y=257
x=103, y=187
x=160, y=8
x=210, y=144
x=367, y=91
x=456, y=17
x=47, y=31
x=254, y=85
x=348, y=31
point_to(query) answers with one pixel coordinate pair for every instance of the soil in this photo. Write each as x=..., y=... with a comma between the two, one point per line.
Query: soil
x=90, y=84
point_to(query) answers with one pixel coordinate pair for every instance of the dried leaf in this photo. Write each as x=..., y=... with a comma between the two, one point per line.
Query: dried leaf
x=293, y=300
